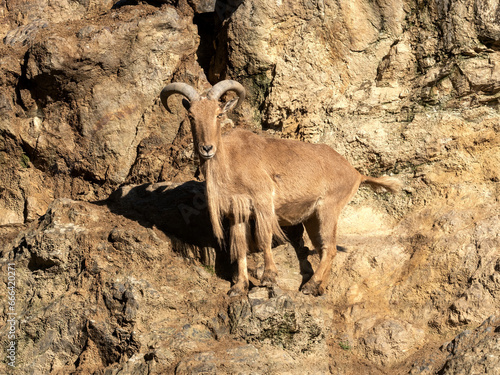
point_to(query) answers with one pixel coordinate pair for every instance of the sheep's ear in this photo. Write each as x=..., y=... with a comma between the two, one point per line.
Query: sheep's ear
x=186, y=103
x=229, y=105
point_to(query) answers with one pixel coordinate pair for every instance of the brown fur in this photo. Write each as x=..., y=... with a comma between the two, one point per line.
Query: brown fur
x=273, y=182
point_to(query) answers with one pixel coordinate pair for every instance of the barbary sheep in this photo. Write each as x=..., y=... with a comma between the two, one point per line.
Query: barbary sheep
x=272, y=182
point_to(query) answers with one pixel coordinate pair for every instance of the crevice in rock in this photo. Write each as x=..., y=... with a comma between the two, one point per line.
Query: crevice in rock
x=122, y=3
x=212, y=29
x=207, y=30
x=491, y=43
x=22, y=82
x=37, y=263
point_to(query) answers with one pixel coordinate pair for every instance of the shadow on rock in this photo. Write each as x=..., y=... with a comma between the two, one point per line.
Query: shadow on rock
x=180, y=211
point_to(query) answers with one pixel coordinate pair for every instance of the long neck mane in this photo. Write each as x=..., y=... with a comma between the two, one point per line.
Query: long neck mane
x=226, y=198
x=216, y=177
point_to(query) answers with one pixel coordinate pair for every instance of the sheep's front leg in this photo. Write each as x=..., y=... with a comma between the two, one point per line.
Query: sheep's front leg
x=270, y=275
x=265, y=220
x=239, y=247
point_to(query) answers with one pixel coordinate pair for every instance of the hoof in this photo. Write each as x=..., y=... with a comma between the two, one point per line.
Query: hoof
x=312, y=288
x=269, y=278
x=238, y=290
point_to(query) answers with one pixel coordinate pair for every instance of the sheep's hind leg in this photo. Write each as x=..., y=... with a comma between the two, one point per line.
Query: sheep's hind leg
x=323, y=236
x=239, y=247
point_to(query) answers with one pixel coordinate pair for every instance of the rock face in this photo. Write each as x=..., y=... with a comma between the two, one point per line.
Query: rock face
x=103, y=215
x=81, y=97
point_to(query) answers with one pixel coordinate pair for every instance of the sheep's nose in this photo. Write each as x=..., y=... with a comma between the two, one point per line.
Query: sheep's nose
x=207, y=148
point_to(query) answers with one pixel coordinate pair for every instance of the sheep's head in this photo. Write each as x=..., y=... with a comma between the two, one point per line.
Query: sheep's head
x=205, y=112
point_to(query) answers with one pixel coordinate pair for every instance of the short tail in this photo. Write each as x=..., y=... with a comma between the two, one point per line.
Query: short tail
x=390, y=184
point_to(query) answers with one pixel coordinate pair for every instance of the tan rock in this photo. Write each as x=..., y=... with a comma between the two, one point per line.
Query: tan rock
x=403, y=88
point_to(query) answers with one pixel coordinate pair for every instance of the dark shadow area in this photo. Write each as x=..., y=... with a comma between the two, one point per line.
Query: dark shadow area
x=213, y=26
x=493, y=43
x=122, y=3
x=207, y=30
x=295, y=237
x=225, y=8
x=179, y=210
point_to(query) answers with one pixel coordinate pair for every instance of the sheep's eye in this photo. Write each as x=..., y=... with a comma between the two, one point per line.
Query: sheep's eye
x=220, y=115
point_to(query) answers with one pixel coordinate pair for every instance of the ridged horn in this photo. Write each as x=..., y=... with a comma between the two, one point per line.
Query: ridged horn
x=178, y=88
x=224, y=86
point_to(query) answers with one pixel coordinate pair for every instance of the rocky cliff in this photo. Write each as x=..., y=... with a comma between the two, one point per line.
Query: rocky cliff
x=109, y=263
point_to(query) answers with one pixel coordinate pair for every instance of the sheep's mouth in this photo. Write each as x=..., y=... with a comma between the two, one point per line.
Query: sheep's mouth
x=207, y=156
x=207, y=151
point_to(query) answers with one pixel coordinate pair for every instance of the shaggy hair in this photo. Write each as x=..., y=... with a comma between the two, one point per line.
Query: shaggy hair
x=225, y=199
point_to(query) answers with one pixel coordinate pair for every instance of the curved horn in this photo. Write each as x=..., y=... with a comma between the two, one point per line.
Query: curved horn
x=178, y=88
x=224, y=86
